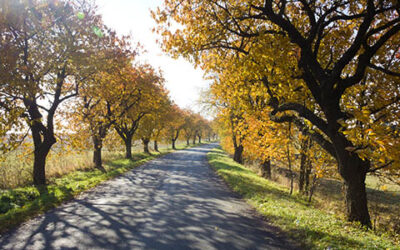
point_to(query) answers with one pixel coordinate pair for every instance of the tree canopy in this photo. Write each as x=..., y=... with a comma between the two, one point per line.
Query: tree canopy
x=65, y=75
x=328, y=67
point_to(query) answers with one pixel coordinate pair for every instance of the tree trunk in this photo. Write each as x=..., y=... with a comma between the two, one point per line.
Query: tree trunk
x=146, y=145
x=126, y=135
x=353, y=170
x=173, y=144
x=42, y=149
x=305, y=166
x=97, y=159
x=307, y=175
x=187, y=142
x=39, y=167
x=302, y=173
x=266, y=169
x=128, y=148
x=199, y=139
x=290, y=169
x=356, y=195
x=194, y=140
x=98, y=134
x=156, y=146
x=238, y=154
x=356, y=202
x=311, y=188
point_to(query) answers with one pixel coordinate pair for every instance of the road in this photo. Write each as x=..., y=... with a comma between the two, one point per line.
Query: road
x=173, y=202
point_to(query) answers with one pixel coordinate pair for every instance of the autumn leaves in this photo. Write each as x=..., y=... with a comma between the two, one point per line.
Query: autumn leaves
x=325, y=69
x=67, y=76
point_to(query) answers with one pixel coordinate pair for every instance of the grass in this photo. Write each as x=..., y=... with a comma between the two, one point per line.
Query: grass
x=16, y=166
x=19, y=204
x=383, y=200
x=311, y=227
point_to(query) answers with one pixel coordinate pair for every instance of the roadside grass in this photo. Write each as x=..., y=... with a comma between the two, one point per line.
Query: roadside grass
x=312, y=228
x=19, y=204
x=16, y=166
x=383, y=199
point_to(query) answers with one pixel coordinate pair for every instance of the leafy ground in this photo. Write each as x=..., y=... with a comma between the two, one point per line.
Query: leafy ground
x=20, y=204
x=311, y=227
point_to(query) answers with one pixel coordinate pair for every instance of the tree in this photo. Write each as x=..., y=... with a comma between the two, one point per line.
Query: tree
x=199, y=127
x=263, y=142
x=149, y=85
x=202, y=127
x=189, y=129
x=103, y=107
x=48, y=52
x=232, y=112
x=152, y=125
x=175, y=124
x=319, y=63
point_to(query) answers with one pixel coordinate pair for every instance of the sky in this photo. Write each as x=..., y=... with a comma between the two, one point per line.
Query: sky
x=133, y=17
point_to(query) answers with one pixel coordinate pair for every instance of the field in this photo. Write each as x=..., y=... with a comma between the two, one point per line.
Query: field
x=16, y=170
x=312, y=226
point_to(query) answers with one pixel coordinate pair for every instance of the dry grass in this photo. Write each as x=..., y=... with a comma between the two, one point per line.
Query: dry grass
x=17, y=173
x=383, y=199
x=309, y=226
x=19, y=204
x=16, y=169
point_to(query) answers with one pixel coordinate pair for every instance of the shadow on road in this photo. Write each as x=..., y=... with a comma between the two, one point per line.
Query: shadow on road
x=175, y=202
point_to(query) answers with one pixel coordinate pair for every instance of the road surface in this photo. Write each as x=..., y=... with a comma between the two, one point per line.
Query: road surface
x=173, y=202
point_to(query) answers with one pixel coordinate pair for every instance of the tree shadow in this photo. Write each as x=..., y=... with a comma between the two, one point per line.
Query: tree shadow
x=126, y=162
x=251, y=189
x=173, y=203
x=249, y=186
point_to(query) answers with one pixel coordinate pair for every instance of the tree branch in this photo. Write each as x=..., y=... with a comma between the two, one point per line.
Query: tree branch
x=383, y=70
x=324, y=143
x=380, y=167
x=304, y=112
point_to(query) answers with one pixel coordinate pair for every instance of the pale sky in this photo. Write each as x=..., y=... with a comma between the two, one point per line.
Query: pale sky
x=133, y=17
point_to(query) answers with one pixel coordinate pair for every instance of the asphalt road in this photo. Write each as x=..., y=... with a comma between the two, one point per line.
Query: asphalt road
x=173, y=202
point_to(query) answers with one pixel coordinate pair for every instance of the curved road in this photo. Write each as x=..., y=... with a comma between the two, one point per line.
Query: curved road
x=173, y=202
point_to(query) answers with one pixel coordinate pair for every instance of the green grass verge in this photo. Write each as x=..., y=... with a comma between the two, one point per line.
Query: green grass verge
x=311, y=227
x=19, y=204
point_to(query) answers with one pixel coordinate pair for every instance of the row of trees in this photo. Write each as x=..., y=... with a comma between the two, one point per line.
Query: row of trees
x=328, y=70
x=64, y=74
